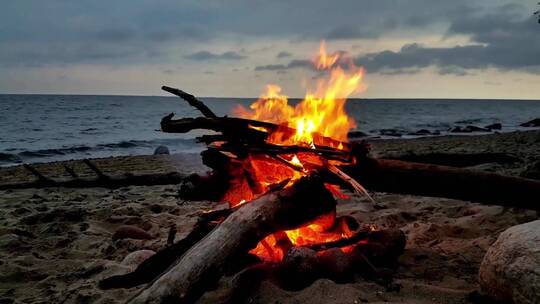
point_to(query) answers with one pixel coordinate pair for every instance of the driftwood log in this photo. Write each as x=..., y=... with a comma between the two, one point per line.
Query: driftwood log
x=439, y=181
x=383, y=175
x=204, y=263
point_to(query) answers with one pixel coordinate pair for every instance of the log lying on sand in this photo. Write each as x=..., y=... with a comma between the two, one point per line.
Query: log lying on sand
x=439, y=181
x=375, y=174
x=459, y=160
x=204, y=263
x=112, y=182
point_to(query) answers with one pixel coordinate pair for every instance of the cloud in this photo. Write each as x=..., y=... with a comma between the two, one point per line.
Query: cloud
x=293, y=64
x=353, y=32
x=206, y=55
x=500, y=39
x=283, y=54
x=129, y=31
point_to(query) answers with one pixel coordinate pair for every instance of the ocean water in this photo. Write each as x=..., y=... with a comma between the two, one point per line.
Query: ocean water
x=44, y=128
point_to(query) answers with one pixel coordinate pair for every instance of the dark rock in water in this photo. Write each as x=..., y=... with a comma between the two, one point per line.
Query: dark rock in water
x=161, y=150
x=495, y=126
x=468, y=129
x=457, y=130
x=532, y=171
x=477, y=129
x=131, y=232
x=421, y=132
x=468, y=121
x=390, y=132
x=356, y=134
x=532, y=123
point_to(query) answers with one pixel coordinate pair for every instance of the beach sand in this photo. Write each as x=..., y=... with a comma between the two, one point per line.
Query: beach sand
x=56, y=244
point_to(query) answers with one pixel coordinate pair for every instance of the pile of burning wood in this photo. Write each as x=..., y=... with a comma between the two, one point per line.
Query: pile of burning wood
x=280, y=223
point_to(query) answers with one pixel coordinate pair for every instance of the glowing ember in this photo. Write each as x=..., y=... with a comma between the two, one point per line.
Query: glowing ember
x=322, y=112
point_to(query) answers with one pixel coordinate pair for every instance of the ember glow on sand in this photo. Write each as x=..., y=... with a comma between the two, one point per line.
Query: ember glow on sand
x=322, y=112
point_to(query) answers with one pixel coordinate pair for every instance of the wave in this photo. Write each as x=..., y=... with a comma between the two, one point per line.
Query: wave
x=9, y=158
x=92, y=151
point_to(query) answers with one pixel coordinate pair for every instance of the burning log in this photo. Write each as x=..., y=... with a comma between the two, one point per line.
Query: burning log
x=303, y=265
x=241, y=130
x=205, y=262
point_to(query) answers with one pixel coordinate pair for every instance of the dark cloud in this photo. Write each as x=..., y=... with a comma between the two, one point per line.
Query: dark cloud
x=353, y=32
x=127, y=31
x=500, y=39
x=294, y=64
x=271, y=67
x=206, y=55
x=137, y=31
x=283, y=54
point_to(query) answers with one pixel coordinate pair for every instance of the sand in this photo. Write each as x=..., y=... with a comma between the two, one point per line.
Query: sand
x=56, y=244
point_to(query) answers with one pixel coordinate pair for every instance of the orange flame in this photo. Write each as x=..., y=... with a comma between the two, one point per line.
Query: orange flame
x=321, y=112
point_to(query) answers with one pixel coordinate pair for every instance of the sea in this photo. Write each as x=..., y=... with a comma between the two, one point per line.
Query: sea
x=46, y=128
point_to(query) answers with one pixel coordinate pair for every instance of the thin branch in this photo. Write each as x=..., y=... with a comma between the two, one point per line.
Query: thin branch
x=352, y=240
x=96, y=170
x=194, y=102
x=36, y=173
x=70, y=171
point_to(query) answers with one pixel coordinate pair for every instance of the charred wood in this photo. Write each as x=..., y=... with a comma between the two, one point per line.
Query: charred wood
x=240, y=129
x=205, y=263
x=194, y=102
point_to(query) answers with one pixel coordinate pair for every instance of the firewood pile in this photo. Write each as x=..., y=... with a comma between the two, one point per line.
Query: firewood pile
x=280, y=223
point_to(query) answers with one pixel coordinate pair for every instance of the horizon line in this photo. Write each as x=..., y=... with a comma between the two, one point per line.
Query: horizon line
x=255, y=98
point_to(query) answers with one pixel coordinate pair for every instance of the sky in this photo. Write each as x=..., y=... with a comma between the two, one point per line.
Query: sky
x=409, y=48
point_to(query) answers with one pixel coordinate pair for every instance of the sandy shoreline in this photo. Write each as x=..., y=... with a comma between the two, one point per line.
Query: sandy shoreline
x=55, y=244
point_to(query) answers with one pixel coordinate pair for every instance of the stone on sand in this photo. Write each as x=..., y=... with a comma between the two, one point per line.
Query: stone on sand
x=510, y=270
x=131, y=232
x=135, y=258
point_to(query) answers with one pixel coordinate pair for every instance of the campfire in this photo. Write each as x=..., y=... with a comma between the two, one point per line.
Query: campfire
x=319, y=121
x=278, y=169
